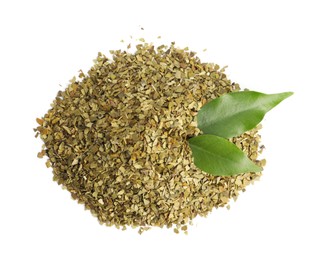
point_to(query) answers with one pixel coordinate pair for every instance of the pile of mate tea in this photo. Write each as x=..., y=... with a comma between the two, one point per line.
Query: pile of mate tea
x=116, y=138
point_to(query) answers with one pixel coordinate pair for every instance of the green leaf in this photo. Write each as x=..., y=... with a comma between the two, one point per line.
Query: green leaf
x=235, y=113
x=218, y=156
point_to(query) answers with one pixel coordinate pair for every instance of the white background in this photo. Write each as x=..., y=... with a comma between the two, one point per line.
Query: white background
x=270, y=46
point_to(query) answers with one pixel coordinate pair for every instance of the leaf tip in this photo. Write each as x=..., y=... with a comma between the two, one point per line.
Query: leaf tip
x=285, y=95
x=288, y=94
x=257, y=168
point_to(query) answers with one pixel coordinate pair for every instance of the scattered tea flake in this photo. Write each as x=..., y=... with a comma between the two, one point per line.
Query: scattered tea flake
x=55, y=120
x=66, y=129
x=178, y=75
x=184, y=228
x=75, y=162
x=143, y=229
x=39, y=121
x=41, y=154
x=262, y=162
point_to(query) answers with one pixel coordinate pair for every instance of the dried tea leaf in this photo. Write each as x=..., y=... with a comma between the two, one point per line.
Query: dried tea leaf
x=117, y=138
x=39, y=121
